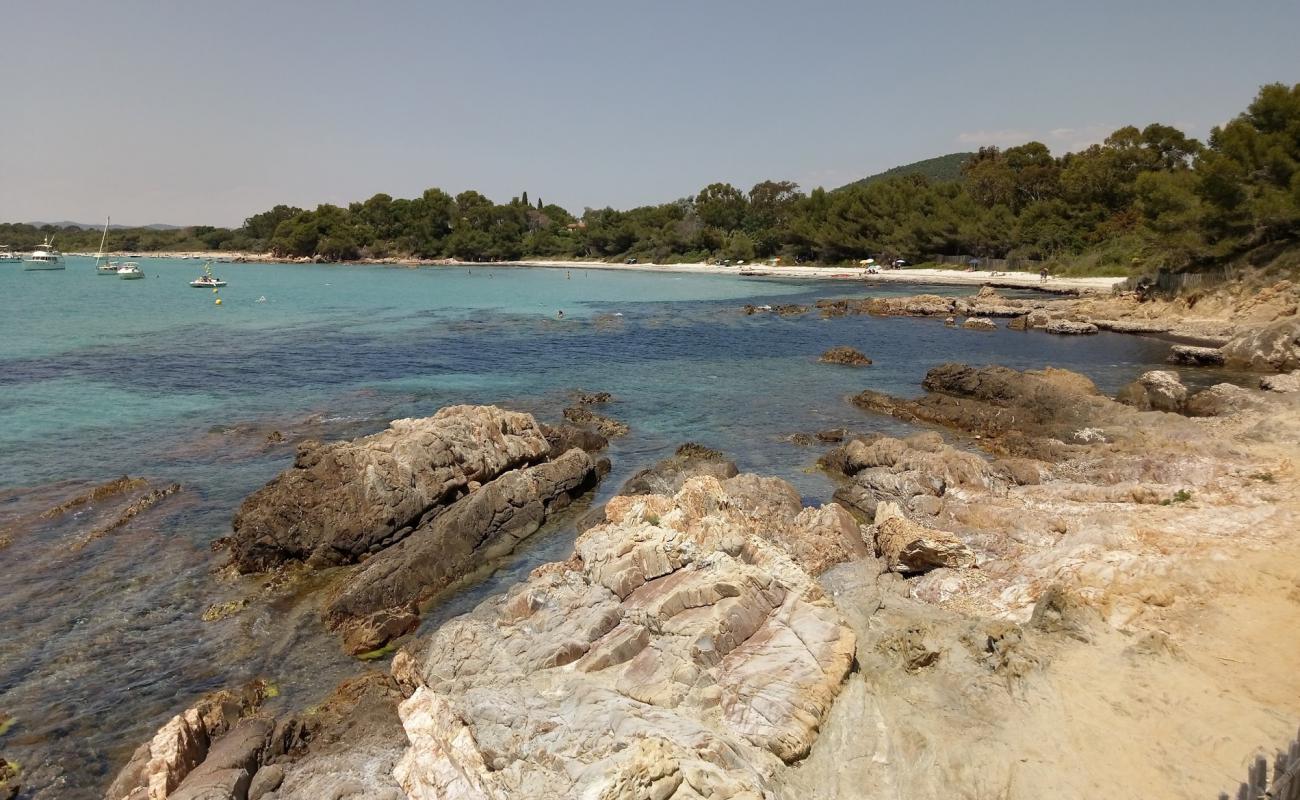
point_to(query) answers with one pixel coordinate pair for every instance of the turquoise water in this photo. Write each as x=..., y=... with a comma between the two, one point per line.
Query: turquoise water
x=101, y=377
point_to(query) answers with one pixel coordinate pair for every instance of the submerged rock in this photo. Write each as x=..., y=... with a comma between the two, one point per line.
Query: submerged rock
x=103, y=491
x=603, y=425
x=688, y=461
x=844, y=356
x=342, y=500
x=592, y=398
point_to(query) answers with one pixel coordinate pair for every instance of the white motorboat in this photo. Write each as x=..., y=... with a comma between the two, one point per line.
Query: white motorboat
x=44, y=257
x=207, y=280
x=130, y=271
x=8, y=256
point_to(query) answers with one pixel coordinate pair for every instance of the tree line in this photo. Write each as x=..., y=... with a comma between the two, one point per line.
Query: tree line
x=1153, y=196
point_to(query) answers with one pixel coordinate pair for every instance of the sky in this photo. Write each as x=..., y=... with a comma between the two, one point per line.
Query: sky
x=208, y=112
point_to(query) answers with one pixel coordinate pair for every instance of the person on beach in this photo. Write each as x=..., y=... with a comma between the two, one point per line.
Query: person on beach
x=1042, y=275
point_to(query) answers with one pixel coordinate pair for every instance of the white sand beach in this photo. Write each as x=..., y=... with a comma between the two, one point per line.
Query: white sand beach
x=941, y=277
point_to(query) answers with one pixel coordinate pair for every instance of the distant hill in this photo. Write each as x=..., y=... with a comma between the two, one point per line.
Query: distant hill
x=158, y=226
x=941, y=168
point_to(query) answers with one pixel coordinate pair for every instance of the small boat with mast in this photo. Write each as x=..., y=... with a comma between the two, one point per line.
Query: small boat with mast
x=44, y=257
x=107, y=267
x=207, y=280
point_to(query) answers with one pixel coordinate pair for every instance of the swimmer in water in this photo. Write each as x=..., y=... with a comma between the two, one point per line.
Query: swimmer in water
x=561, y=314
x=567, y=276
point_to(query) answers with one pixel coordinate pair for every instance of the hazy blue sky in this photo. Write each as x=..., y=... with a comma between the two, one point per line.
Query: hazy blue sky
x=207, y=112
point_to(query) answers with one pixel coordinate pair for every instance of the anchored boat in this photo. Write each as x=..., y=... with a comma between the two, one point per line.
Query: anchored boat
x=207, y=280
x=130, y=271
x=108, y=267
x=44, y=257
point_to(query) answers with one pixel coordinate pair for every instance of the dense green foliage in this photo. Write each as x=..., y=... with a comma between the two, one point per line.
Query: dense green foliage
x=1151, y=197
x=940, y=168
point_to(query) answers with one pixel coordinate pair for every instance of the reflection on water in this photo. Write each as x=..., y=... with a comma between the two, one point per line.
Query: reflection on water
x=102, y=644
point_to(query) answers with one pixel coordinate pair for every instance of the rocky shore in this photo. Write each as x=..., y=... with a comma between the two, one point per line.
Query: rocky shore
x=1045, y=591
x=1256, y=330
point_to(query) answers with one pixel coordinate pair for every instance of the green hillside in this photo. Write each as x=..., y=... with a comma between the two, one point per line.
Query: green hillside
x=940, y=168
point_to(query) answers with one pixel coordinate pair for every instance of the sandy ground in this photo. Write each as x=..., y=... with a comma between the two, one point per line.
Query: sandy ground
x=952, y=277
x=939, y=277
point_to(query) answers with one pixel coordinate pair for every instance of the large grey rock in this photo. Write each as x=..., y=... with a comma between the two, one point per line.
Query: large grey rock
x=475, y=530
x=1223, y=399
x=901, y=470
x=1275, y=346
x=342, y=500
x=1156, y=390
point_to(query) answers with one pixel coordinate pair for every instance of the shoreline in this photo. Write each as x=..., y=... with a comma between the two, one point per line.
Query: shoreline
x=924, y=276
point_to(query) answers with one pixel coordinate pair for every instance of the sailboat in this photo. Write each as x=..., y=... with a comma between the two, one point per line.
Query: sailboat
x=108, y=267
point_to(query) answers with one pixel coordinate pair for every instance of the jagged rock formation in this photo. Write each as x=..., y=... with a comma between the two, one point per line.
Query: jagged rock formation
x=376, y=603
x=914, y=472
x=698, y=643
x=211, y=749
x=680, y=618
x=980, y=324
x=343, y=500
x=425, y=504
x=685, y=648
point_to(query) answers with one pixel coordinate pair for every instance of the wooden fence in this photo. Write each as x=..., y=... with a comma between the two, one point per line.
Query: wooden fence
x=1166, y=282
x=1285, y=784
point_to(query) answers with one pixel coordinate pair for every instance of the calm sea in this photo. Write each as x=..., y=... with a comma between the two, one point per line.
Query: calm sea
x=101, y=377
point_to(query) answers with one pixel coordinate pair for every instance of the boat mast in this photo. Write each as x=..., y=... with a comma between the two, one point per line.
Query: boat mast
x=102, y=239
